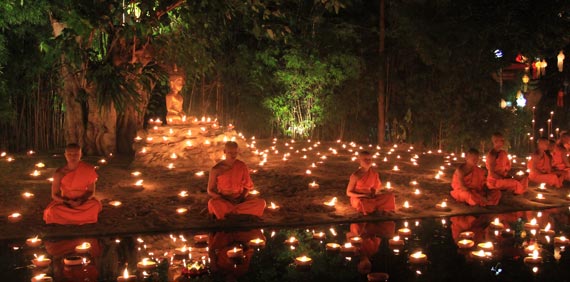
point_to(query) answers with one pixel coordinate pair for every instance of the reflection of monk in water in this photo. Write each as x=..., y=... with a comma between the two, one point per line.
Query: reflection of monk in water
x=221, y=242
x=371, y=234
x=174, y=100
x=59, y=250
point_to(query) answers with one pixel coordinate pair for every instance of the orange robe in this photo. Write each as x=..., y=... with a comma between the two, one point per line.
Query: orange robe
x=73, y=186
x=475, y=181
x=221, y=242
x=558, y=162
x=382, y=202
x=231, y=184
x=502, y=167
x=536, y=165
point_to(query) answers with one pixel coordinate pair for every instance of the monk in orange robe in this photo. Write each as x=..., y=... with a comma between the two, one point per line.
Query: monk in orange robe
x=221, y=242
x=560, y=162
x=498, y=167
x=468, y=183
x=371, y=234
x=362, y=188
x=72, y=192
x=229, y=185
x=541, y=168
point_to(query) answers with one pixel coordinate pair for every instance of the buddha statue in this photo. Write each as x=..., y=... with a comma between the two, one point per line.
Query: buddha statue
x=174, y=100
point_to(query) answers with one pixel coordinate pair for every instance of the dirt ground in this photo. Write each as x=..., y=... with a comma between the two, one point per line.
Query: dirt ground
x=153, y=209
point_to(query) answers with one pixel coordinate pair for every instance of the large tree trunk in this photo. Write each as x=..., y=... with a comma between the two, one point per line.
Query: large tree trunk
x=73, y=117
x=381, y=79
x=100, y=134
x=130, y=122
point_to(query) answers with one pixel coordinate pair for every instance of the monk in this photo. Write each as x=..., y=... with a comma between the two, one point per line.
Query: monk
x=540, y=166
x=498, y=167
x=229, y=185
x=560, y=162
x=468, y=183
x=362, y=188
x=72, y=192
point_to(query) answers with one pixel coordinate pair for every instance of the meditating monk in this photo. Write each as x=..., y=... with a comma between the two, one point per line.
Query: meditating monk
x=72, y=192
x=498, y=168
x=363, y=186
x=540, y=165
x=229, y=185
x=560, y=162
x=468, y=183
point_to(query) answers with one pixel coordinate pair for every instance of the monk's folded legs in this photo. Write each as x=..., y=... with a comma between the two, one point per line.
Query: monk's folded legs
x=517, y=186
x=550, y=179
x=221, y=207
x=382, y=202
x=60, y=213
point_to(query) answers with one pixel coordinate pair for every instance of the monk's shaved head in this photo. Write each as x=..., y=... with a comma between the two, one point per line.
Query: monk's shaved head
x=231, y=145
x=473, y=152
x=72, y=146
x=364, y=153
x=496, y=136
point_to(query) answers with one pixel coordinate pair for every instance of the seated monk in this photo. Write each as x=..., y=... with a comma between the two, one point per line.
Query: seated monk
x=541, y=168
x=229, y=185
x=498, y=168
x=469, y=183
x=560, y=162
x=362, y=188
x=72, y=192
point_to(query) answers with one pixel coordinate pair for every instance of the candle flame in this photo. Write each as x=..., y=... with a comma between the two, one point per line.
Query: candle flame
x=406, y=205
x=417, y=254
x=496, y=222
x=139, y=182
x=547, y=227
x=533, y=221
x=535, y=254
x=396, y=238
x=332, y=202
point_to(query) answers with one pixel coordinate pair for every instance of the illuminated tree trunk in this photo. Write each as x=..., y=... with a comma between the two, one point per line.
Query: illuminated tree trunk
x=74, y=126
x=381, y=79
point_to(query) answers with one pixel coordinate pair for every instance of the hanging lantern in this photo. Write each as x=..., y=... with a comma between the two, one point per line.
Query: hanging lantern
x=560, y=58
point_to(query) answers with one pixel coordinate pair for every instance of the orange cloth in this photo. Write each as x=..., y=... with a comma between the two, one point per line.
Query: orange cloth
x=221, y=242
x=73, y=186
x=558, y=162
x=382, y=202
x=476, y=195
x=231, y=184
x=537, y=164
x=502, y=167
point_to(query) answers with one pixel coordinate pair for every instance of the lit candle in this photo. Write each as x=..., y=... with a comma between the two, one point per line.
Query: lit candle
x=406, y=206
x=395, y=242
x=331, y=203
x=146, y=264
x=181, y=210
x=181, y=251
x=417, y=192
x=292, y=241
x=115, y=203
x=42, y=278
x=531, y=225
x=313, y=185
x=15, y=217
x=534, y=258
x=332, y=247
x=35, y=173
x=547, y=230
x=41, y=261
x=253, y=193
x=465, y=244
x=481, y=254
x=531, y=248
x=199, y=173
x=396, y=168
x=126, y=277
x=33, y=242
x=348, y=249
x=319, y=236
x=235, y=252
x=83, y=248
x=273, y=207
x=404, y=232
x=487, y=246
x=257, y=243
x=418, y=258
x=496, y=224
x=466, y=235
x=356, y=240
x=442, y=206
x=561, y=241
x=540, y=197
x=303, y=262
x=201, y=238
x=139, y=184
x=183, y=194
x=27, y=195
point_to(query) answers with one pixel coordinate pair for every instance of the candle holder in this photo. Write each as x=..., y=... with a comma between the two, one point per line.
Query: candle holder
x=256, y=243
x=466, y=235
x=465, y=244
x=146, y=264
x=561, y=241
x=377, y=277
x=83, y=248
x=201, y=238
x=481, y=255
x=396, y=242
x=404, y=232
x=273, y=207
x=319, y=236
x=348, y=250
x=332, y=248
x=534, y=259
x=41, y=262
x=497, y=225
x=443, y=207
x=292, y=241
x=303, y=263
x=418, y=258
x=235, y=255
x=33, y=242
x=42, y=278
x=15, y=217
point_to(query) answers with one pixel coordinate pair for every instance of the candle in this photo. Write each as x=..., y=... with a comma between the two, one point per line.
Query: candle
x=73, y=260
x=396, y=168
x=508, y=233
x=273, y=207
x=146, y=264
x=115, y=203
x=418, y=258
x=235, y=252
x=561, y=241
x=481, y=254
x=406, y=206
x=547, y=231
x=377, y=277
x=292, y=241
x=404, y=232
x=181, y=210
x=465, y=244
x=313, y=185
x=496, y=224
x=442, y=206
x=332, y=247
x=331, y=203
x=540, y=197
x=35, y=173
x=487, y=246
x=257, y=242
x=417, y=192
x=27, y=195
x=15, y=217
x=138, y=138
x=303, y=262
x=466, y=235
x=199, y=173
x=534, y=258
x=356, y=240
x=531, y=248
x=395, y=242
x=42, y=278
x=253, y=193
x=83, y=248
x=201, y=238
x=531, y=225
x=41, y=261
x=139, y=184
x=33, y=242
x=348, y=249
x=181, y=251
x=126, y=277
x=319, y=236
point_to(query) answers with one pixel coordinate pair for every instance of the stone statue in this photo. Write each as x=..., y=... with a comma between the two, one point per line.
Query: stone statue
x=174, y=100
